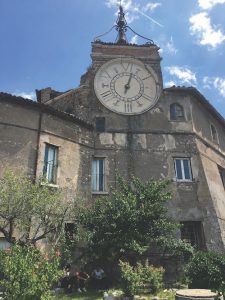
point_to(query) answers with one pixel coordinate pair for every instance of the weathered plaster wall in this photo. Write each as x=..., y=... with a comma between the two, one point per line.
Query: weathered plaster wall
x=21, y=142
x=213, y=204
x=152, y=156
x=75, y=148
x=202, y=119
x=18, y=138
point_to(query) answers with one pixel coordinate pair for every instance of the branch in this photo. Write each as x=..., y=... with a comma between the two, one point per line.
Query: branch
x=7, y=236
x=43, y=235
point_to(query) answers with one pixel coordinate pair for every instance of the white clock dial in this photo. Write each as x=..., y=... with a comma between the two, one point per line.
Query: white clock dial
x=126, y=86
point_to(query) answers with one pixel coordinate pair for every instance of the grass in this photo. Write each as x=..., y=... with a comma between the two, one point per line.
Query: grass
x=84, y=296
x=91, y=295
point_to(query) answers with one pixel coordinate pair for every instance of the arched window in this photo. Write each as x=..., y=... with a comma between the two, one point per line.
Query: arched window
x=176, y=112
x=214, y=133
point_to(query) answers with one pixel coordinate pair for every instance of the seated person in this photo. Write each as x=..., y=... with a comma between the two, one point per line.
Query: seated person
x=81, y=277
x=66, y=283
x=98, y=276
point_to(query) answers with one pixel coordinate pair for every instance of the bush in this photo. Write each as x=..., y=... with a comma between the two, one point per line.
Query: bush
x=28, y=275
x=133, y=279
x=206, y=270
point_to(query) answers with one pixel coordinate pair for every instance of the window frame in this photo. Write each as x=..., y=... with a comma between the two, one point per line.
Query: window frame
x=214, y=133
x=173, y=112
x=50, y=171
x=69, y=232
x=101, y=126
x=97, y=183
x=183, y=179
x=196, y=234
x=4, y=244
x=221, y=171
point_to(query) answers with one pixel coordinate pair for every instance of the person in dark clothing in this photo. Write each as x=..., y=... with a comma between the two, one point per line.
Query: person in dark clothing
x=98, y=276
x=66, y=281
x=82, y=278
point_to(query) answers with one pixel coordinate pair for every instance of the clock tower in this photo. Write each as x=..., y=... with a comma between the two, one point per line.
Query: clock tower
x=125, y=78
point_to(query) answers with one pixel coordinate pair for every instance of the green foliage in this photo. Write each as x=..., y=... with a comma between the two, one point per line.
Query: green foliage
x=168, y=294
x=28, y=275
x=206, y=270
x=35, y=211
x=90, y=295
x=152, y=277
x=131, y=280
x=143, y=275
x=122, y=225
x=176, y=247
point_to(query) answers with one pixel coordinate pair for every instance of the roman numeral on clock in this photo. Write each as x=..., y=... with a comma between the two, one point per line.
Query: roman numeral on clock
x=147, y=77
x=149, y=98
x=106, y=94
x=137, y=71
x=127, y=66
x=105, y=85
x=128, y=107
x=105, y=74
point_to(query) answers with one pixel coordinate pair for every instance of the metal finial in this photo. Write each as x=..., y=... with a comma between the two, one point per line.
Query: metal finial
x=121, y=26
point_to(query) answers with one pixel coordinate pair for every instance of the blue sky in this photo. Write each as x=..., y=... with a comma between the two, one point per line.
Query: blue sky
x=48, y=42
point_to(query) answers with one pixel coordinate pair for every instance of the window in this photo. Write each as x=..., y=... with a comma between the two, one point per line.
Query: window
x=183, y=169
x=176, y=112
x=214, y=133
x=69, y=230
x=192, y=232
x=98, y=176
x=222, y=175
x=4, y=244
x=100, y=124
x=50, y=163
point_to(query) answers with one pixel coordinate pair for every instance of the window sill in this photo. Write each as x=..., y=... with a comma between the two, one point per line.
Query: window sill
x=177, y=121
x=215, y=142
x=52, y=185
x=183, y=180
x=100, y=193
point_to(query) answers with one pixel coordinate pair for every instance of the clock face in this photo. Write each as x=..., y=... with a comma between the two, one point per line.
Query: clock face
x=126, y=86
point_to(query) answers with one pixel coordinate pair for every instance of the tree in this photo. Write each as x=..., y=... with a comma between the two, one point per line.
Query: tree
x=28, y=273
x=125, y=224
x=206, y=270
x=29, y=212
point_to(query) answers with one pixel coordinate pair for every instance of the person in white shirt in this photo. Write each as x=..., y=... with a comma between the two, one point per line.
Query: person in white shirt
x=98, y=276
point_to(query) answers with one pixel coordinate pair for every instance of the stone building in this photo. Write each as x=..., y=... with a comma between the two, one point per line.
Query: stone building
x=121, y=120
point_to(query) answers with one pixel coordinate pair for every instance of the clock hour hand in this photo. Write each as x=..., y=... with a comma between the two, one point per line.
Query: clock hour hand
x=127, y=86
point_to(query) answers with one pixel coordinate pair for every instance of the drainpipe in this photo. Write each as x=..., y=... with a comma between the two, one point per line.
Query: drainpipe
x=37, y=146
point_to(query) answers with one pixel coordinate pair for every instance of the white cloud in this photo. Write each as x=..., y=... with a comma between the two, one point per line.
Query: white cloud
x=170, y=83
x=207, y=34
x=134, y=39
x=152, y=6
x=133, y=10
x=128, y=5
x=31, y=95
x=217, y=82
x=209, y=4
x=131, y=16
x=170, y=47
x=185, y=75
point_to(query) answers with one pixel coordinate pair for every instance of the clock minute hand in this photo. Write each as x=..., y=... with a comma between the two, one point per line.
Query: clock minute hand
x=127, y=86
x=128, y=83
